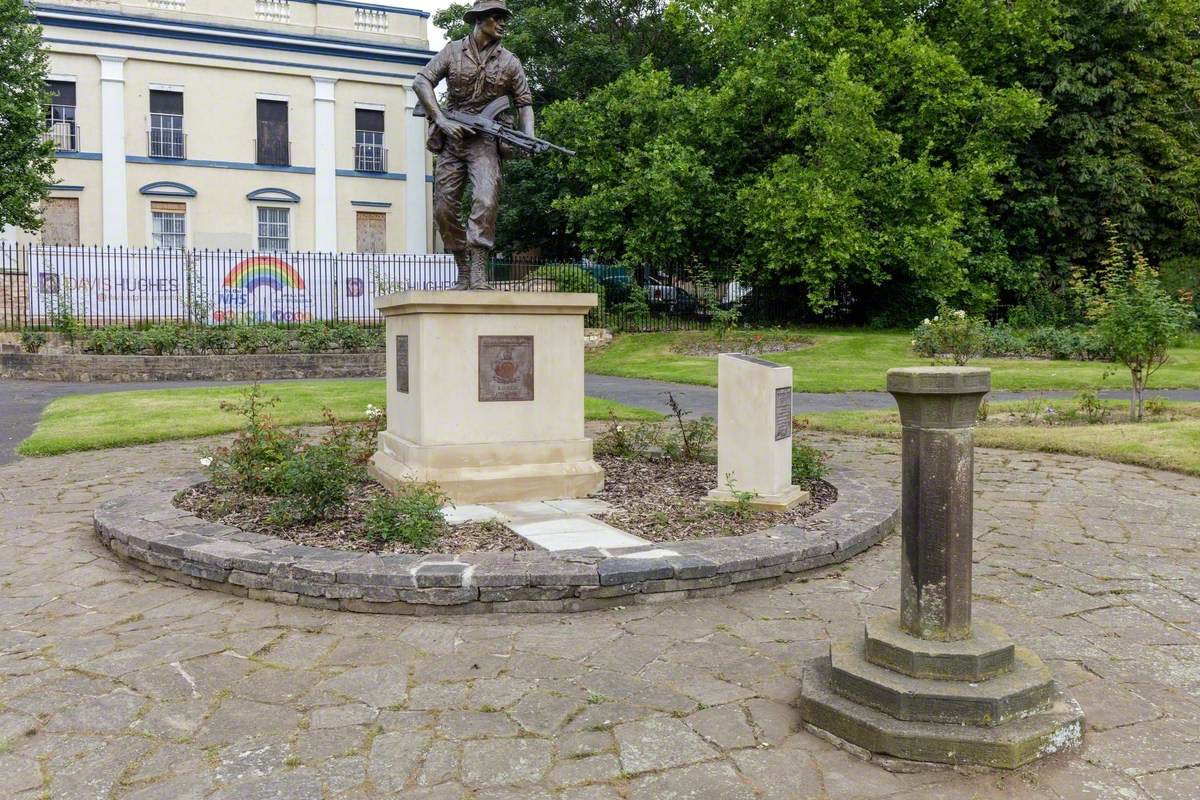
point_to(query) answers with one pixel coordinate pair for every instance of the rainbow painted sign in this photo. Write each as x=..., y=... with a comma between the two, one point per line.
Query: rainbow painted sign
x=256, y=271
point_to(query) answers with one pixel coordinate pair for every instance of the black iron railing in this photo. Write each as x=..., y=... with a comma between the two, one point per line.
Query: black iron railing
x=97, y=286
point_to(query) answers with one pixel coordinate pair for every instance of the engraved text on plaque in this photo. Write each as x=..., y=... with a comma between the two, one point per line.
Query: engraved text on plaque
x=783, y=412
x=505, y=368
x=402, y=364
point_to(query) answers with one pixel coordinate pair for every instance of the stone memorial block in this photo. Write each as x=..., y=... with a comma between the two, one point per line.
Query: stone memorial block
x=485, y=395
x=754, y=433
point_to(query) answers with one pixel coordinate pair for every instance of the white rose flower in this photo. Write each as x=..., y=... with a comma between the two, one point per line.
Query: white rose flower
x=935, y=319
x=960, y=314
x=206, y=461
x=925, y=321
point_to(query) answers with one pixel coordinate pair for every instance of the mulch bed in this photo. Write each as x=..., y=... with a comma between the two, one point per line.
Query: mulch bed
x=663, y=501
x=343, y=531
x=657, y=499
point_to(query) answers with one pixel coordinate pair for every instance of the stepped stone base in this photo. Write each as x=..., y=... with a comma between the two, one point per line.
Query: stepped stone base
x=1058, y=726
x=1027, y=687
x=986, y=653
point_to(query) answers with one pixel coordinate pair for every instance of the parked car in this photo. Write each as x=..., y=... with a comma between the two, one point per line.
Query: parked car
x=672, y=298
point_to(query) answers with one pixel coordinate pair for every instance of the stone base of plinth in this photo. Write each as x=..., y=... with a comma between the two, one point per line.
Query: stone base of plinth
x=977, y=701
x=783, y=501
x=482, y=473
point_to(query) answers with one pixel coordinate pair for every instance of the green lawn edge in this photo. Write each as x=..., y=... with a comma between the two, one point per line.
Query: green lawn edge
x=1168, y=445
x=857, y=361
x=76, y=423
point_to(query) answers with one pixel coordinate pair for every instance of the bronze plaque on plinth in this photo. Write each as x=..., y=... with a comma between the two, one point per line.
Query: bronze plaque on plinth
x=783, y=413
x=402, y=364
x=505, y=368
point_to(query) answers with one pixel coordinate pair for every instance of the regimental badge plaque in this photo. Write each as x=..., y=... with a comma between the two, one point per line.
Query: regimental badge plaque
x=402, y=364
x=783, y=413
x=505, y=368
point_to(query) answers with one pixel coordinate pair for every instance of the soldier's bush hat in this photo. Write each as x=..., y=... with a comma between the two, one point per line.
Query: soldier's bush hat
x=482, y=7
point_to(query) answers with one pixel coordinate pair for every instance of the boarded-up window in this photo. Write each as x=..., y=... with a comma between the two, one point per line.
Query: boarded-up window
x=273, y=133
x=61, y=225
x=372, y=232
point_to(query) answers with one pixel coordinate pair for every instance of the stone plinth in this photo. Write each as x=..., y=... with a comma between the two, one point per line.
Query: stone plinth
x=926, y=684
x=754, y=434
x=485, y=395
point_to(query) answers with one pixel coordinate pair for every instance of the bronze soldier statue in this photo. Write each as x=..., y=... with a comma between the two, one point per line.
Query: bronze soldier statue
x=479, y=72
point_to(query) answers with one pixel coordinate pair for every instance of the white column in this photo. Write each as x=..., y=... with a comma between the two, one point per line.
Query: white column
x=416, y=213
x=114, y=213
x=325, y=239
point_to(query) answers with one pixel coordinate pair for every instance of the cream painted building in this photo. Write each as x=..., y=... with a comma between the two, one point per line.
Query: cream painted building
x=244, y=124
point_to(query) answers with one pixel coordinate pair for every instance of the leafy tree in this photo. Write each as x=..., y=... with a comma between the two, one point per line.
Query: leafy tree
x=26, y=157
x=1122, y=141
x=1134, y=317
x=570, y=48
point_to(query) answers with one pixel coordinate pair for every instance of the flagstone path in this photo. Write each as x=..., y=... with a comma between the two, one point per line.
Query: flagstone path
x=118, y=686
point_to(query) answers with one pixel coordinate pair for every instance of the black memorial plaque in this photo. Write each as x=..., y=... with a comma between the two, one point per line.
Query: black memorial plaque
x=402, y=364
x=783, y=413
x=505, y=368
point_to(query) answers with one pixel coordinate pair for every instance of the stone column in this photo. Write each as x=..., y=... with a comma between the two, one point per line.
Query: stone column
x=926, y=685
x=938, y=407
x=325, y=239
x=115, y=214
x=416, y=214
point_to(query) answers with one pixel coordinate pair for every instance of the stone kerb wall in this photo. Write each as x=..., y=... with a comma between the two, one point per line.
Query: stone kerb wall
x=147, y=530
x=84, y=368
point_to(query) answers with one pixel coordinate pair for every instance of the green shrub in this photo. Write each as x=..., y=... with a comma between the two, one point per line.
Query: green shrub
x=632, y=314
x=255, y=459
x=350, y=338
x=950, y=333
x=1133, y=316
x=113, y=340
x=274, y=339
x=808, y=464
x=691, y=438
x=32, y=341
x=315, y=337
x=570, y=278
x=413, y=515
x=1000, y=340
x=161, y=340
x=211, y=340
x=246, y=338
x=312, y=482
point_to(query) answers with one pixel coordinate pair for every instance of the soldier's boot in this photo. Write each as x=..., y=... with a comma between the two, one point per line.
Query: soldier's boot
x=464, y=269
x=479, y=263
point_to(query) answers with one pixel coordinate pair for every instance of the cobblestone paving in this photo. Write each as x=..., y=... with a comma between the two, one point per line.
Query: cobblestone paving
x=115, y=685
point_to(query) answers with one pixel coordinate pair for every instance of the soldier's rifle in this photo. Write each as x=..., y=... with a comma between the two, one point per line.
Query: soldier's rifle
x=485, y=123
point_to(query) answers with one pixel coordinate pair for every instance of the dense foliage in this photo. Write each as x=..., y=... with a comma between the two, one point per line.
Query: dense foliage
x=879, y=158
x=164, y=339
x=26, y=156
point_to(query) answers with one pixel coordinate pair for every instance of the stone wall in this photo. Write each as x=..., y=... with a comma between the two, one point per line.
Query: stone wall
x=83, y=368
x=146, y=529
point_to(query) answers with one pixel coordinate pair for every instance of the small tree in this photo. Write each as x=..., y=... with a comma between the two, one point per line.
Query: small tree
x=26, y=155
x=1133, y=315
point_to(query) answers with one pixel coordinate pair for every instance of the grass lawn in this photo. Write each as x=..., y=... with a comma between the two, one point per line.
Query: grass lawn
x=1169, y=444
x=852, y=360
x=119, y=419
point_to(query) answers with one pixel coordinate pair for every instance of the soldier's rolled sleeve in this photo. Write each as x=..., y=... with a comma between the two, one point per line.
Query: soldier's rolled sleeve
x=438, y=66
x=521, y=95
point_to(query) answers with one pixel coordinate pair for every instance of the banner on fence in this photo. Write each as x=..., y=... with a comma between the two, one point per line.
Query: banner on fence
x=103, y=286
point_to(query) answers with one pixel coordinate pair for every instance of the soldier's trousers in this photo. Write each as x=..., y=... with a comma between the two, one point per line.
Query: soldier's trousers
x=475, y=158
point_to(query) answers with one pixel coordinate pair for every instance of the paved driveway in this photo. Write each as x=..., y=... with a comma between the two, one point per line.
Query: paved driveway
x=116, y=685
